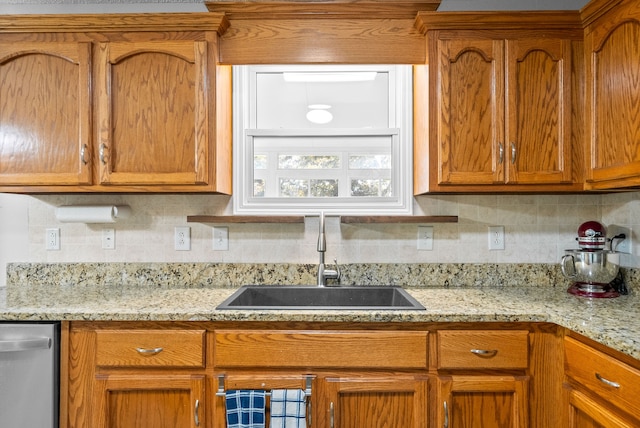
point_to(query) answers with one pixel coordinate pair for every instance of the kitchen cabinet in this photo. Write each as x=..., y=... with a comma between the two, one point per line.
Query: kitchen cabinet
x=45, y=113
x=499, y=109
x=482, y=379
x=142, y=377
x=362, y=378
x=601, y=391
x=612, y=73
x=120, y=103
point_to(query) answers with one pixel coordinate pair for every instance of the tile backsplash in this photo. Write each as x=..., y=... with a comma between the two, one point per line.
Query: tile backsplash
x=537, y=230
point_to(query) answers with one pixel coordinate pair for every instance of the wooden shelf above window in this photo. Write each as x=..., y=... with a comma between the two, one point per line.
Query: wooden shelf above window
x=244, y=219
x=355, y=219
x=300, y=219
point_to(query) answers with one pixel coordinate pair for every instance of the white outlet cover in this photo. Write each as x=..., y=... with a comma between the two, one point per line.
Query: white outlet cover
x=496, y=238
x=182, y=241
x=52, y=239
x=221, y=238
x=108, y=239
x=425, y=238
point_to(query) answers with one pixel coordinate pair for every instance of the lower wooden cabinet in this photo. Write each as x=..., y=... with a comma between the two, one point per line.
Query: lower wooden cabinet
x=374, y=402
x=158, y=401
x=482, y=401
x=601, y=391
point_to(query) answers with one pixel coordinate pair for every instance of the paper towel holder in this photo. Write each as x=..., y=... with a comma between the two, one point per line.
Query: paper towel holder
x=92, y=213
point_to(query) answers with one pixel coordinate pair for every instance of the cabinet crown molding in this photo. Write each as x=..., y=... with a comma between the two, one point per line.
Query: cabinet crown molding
x=330, y=9
x=138, y=22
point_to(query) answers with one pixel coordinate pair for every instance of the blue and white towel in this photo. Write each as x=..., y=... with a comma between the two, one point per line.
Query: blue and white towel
x=288, y=408
x=245, y=409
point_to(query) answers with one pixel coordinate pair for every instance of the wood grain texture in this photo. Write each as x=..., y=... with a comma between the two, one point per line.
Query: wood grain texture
x=179, y=348
x=585, y=412
x=149, y=401
x=511, y=349
x=290, y=349
x=44, y=113
x=376, y=402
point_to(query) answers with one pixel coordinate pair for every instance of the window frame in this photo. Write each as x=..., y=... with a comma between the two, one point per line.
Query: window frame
x=400, y=131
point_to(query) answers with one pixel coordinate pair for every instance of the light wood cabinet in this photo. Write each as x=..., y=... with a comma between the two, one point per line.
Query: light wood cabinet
x=374, y=401
x=45, y=113
x=601, y=391
x=120, y=103
x=613, y=113
x=482, y=379
x=499, y=106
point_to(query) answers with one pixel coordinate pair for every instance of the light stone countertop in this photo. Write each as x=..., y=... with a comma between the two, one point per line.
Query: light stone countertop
x=612, y=322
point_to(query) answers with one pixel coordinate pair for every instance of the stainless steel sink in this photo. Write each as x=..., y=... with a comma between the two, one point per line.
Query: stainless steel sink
x=274, y=297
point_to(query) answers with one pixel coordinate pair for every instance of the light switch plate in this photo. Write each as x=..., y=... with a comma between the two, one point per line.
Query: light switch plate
x=425, y=238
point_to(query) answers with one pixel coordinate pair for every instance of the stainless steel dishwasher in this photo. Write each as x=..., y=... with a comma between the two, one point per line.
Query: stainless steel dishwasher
x=29, y=374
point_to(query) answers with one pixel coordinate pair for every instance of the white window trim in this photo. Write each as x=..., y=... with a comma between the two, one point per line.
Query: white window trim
x=401, y=131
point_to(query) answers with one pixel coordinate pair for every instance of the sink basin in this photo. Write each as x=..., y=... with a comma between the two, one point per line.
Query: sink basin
x=311, y=297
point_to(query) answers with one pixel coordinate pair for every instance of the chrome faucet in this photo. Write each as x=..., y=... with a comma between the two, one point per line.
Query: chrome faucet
x=323, y=272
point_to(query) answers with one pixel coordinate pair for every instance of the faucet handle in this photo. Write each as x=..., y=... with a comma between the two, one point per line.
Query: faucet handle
x=338, y=273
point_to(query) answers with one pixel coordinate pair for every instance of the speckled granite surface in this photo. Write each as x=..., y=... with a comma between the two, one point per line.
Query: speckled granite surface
x=84, y=296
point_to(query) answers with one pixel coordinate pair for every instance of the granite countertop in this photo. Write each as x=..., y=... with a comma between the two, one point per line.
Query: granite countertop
x=612, y=322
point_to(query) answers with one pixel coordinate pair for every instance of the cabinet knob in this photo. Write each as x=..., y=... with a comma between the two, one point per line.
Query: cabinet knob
x=152, y=351
x=83, y=152
x=103, y=156
x=484, y=352
x=607, y=381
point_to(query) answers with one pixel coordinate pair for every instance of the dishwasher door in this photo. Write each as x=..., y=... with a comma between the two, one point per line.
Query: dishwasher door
x=29, y=375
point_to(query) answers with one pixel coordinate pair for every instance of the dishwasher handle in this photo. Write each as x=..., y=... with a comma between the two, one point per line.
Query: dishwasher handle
x=16, y=345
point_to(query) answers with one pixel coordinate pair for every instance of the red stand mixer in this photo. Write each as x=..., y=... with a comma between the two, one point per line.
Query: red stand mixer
x=592, y=267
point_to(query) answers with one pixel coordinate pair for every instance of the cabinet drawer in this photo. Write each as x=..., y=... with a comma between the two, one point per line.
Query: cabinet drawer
x=470, y=349
x=332, y=349
x=594, y=370
x=150, y=348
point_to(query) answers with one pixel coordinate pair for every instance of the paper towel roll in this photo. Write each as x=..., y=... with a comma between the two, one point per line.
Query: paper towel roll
x=92, y=213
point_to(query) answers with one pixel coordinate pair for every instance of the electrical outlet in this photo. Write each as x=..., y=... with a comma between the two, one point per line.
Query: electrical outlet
x=52, y=239
x=425, y=238
x=108, y=239
x=182, y=237
x=221, y=238
x=621, y=245
x=496, y=237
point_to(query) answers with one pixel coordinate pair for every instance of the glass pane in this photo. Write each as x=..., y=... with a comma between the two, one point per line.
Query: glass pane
x=324, y=188
x=293, y=188
x=309, y=102
x=260, y=162
x=385, y=188
x=370, y=162
x=365, y=187
x=308, y=162
x=258, y=187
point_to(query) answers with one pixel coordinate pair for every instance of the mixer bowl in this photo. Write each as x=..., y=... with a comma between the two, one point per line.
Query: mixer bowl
x=590, y=266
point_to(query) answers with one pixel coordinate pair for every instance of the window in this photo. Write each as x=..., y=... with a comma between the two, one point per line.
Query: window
x=331, y=138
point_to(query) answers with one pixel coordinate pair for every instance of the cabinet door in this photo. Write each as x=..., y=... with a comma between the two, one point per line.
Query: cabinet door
x=482, y=401
x=470, y=112
x=45, y=114
x=149, y=401
x=538, y=129
x=374, y=402
x=153, y=116
x=613, y=72
x=584, y=412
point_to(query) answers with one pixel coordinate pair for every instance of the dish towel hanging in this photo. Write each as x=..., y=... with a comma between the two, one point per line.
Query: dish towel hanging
x=288, y=408
x=245, y=409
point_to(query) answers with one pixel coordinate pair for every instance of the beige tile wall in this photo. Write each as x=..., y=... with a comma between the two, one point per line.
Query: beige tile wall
x=538, y=229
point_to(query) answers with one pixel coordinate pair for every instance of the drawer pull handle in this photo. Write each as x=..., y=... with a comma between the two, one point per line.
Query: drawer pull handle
x=607, y=381
x=331, y=415
x=196, y=417
x=446, y=415
x=484, y=352
x=153, y=351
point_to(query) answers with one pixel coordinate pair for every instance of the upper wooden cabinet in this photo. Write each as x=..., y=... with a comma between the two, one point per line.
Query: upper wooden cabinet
x=45, y=113
x=113, y=103
x=613, y=110
x=499, y=104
